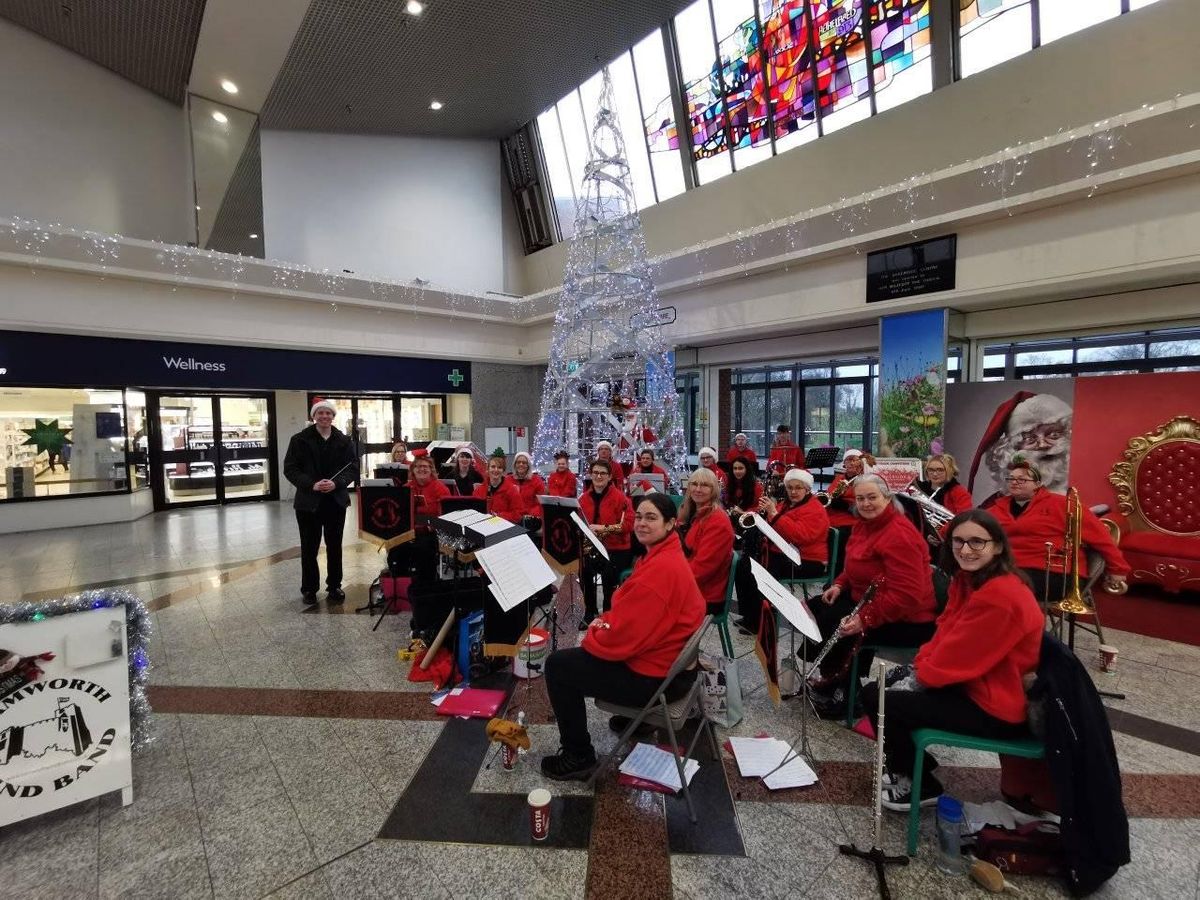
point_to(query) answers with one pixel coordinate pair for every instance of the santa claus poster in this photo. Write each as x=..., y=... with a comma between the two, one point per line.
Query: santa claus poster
x=988, y=423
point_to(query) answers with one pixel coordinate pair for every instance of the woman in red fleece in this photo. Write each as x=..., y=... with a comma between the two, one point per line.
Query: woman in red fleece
x=610, y=515
x=503, y=498
x=884, y=546
x=530, y=485
x=563, y=482
x=969, y=677
x=707, y=537
x=941, y=484
x=627, y=651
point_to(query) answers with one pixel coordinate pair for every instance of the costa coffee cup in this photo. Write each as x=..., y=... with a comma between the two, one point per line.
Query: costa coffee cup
x=539, y=814
x=1108, y=658
x=508, y=757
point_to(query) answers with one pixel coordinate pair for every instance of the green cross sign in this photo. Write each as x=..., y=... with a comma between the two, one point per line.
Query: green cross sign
x=455, y=378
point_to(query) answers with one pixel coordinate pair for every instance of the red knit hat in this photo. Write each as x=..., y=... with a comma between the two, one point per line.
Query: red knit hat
x=995, y=430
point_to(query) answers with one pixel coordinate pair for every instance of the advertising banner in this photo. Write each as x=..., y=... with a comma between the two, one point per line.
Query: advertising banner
x=912, y=383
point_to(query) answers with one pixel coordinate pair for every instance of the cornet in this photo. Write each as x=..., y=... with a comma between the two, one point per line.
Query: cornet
x=746, y=520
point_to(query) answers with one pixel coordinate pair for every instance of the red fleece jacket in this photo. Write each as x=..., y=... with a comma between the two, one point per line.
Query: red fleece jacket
x=562, y=484
x=653, y=613
x=806, y=527
x=612, y=508
x=427, y=500
x=1045, y=519
x=529, y=489
x=889, y=547
x=504, y=502
x=987, y=640
x=710, y=552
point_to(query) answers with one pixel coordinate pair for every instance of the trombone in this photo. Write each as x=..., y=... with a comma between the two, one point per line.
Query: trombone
x=1072, y=602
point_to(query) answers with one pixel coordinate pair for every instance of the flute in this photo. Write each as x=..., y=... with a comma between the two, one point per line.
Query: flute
x=867, y=597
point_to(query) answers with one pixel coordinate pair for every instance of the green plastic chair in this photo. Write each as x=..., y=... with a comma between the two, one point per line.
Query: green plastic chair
x=722, y=620
x=677, y=499
x=924, y=738
x=819, y=581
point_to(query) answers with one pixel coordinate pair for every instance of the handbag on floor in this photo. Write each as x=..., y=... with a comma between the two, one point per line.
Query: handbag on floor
x=1032, y=849
x=722, y=693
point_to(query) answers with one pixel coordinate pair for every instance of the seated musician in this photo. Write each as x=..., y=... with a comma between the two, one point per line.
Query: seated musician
x=627, y=651
x=419, y=556
x=708, y=460
x=803, y=523
x=969, y=677
x=529, y=484
x=502, y=496
x=941, y=484
x=1032, y=516
x=400, y=452
x=604, y=451
x=707, y=537
x=610, y=515
x=645, y=465
x=465, y=473
x=562, y=481
x=744, y=491
x=884, y=546
x=741, y=449
x=855, y=463
x=785, y=450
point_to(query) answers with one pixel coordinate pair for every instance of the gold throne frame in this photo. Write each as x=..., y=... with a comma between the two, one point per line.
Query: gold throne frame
x=1123, y=476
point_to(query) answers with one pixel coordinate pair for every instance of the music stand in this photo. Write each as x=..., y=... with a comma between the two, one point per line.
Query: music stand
x=821, y=458
x=452, y=504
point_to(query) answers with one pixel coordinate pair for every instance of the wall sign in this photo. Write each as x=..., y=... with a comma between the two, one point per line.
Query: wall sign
x=64, y=712
x=29, y=358
x=923, y=267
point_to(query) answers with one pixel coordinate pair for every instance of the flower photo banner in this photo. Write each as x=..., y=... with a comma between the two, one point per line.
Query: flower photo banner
x=912, y=383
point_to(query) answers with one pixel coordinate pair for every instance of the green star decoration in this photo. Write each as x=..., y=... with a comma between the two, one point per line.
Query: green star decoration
x=47, y=436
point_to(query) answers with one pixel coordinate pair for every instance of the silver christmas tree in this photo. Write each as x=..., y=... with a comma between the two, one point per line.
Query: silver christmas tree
x=610, y=375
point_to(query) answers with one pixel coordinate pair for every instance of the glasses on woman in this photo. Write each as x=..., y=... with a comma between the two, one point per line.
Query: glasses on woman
x=1018, y=480
x=975, y=543
x=596, y=472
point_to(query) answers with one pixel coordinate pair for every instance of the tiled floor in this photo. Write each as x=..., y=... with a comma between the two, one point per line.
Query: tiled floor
x=286, y=740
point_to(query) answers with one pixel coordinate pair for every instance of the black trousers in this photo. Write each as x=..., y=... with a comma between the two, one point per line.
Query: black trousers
x=749, y=598
x=573, y=675
x=610, y=572
x=328, y=520
x=949, y=709
x=1058, y=584
x=894, y=634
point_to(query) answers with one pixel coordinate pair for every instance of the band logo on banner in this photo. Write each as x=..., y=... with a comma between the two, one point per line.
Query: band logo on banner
x=385, y=516
x=561, y=538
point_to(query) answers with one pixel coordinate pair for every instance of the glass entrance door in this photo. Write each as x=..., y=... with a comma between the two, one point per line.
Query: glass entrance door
x=208, y=449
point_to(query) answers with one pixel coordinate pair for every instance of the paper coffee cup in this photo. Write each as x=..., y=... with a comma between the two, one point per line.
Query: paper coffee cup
x=508, y=757
x=539, y=814
x=1108, y=658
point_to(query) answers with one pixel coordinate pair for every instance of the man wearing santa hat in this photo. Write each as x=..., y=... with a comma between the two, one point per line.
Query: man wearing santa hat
x=320, y=463
x=1035, y=426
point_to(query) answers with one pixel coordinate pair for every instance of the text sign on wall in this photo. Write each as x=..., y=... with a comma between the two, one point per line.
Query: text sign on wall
x=923, y=267
x=64, y=734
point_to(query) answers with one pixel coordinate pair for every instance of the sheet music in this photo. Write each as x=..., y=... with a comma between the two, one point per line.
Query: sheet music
x=551, y=500
x=794, y=609
x=516, y=569
x=464, y=516
x=777, y=539
x=796, y=773
x=760, y=758
x=655, y=764
x=587, y=529
x=489, y=525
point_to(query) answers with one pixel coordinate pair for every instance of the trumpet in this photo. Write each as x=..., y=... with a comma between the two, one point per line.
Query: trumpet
x=746, y=520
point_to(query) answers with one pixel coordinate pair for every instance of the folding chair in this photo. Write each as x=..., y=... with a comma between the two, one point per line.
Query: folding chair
x=672, y=716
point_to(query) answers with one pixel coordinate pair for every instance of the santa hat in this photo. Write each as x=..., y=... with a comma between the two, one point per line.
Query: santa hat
x=321, y=403
x=801, y=475
x=740, y=434
x=850, y=454
x=707, y=451
x=521, y=454
x=603, y=444
x=996, y=429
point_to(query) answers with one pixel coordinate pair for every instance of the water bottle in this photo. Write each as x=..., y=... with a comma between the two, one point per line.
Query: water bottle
x=949, y=829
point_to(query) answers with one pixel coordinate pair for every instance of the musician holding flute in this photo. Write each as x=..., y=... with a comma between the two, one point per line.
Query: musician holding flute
x=803, y=523
x=886, y=548
x=609, y=514
x=969, y=677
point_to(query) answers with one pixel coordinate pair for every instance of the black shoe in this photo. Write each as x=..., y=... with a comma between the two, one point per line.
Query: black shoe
x=565, y=766
x=309, y=598
x=829, y=706
x=898, y=796
x=335, y=595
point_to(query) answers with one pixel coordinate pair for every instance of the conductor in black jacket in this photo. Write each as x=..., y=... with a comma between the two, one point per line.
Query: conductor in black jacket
x=320, y=462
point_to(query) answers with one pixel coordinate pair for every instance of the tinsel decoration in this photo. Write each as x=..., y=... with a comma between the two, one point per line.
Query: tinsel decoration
x=137, y=634
x=610, y=376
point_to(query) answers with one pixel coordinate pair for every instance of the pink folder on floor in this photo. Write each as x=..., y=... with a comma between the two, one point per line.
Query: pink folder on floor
x=478, y=703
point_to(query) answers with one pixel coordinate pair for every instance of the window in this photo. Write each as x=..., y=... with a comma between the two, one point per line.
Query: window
x=900, y=51
x=562, y=185
x=841, y=56
x=625, y=102
x=992, y=31
x=658, y=115
x=789, y=71
x=702, y=94
x=739, y=49
x=1062, y=17
x=1175, y=350
x=64, y=442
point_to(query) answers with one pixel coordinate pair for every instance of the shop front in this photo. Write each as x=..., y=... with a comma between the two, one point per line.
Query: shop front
x=181, y=424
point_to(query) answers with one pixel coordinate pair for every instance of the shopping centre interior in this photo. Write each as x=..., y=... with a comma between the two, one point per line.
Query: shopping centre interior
x=214, y=214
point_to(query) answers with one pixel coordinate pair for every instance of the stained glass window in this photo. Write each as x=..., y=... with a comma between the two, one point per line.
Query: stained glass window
x=992, y=31
x=900, y=51
x=841, y=56
x=625, y=101
x=658, y=112
x=789, y=71
x=702, y=92
x=1062, y=17
x=743, y=79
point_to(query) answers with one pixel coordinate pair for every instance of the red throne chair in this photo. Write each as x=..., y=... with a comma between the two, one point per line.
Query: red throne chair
x=1158, y=495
